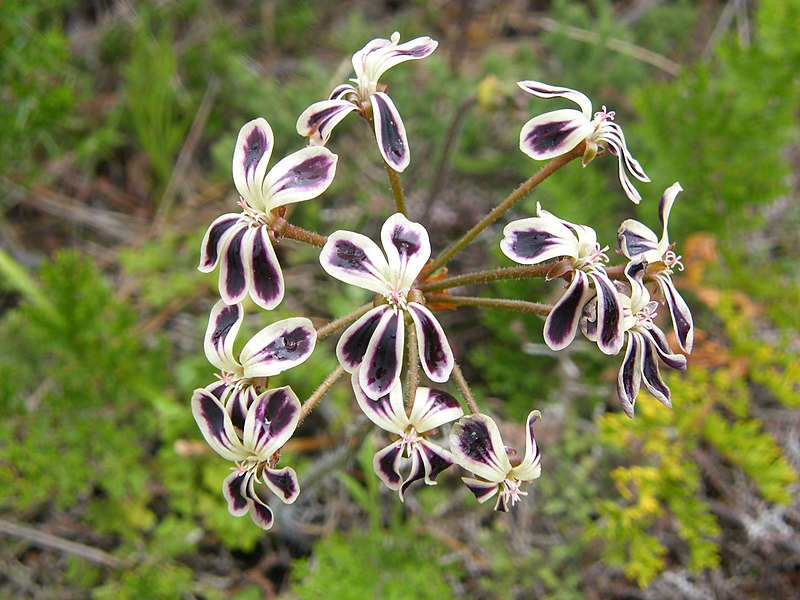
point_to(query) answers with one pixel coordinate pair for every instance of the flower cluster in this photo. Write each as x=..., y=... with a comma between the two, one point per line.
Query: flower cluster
x=247, y=420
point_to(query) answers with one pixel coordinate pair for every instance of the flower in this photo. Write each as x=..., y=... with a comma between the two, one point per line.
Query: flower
x=477, y=446
x=368, y=97
x=537, y=239
x=412, y=451
x=376, y=339
x=637, y=240
x=646, y=343
x=240, y=242
x=271, y=418
x=555, y=133
x=276, y=348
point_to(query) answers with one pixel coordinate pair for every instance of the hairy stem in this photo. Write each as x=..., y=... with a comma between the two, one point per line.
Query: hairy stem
x=397, y=189
x=326, y=384
x=412, y=375
x=463, y=386
x=515, y=305
x=344, y=321
x=542, y=174
x=284, y=229
x=523, y=272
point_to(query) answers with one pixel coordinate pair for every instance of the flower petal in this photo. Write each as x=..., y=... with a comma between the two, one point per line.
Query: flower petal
x=386, y=463
x=562, y=322
x=340, y=92
x=435, y=353
x=232, y=273
x=278, y=347
x=542, y=90
x=659, y=340
x=379, y=59
x=629, y=378
x=387, y=412
x=260, y=512
x=250, y=159
x=476, y=446
x=271, y=421
x=357, y=260
x=300, y=176
x=635, y=239
x=433, y=408
x=238, y=403
x=651, y=376
x=530, y=468
x=682, y=320
x=283, y=483
x=610, y=334
x=407, y=248
x=353, y=344
x=380, y=371
x=537, y=239
x=390, y=132
x=216, y=426
x=483, y=490
x=319, y=119
x=234, y=489
x=426, y=463
x=664, y=208
x=616, y=145
x=210, y=247
x=262, y=269
x=554, y=133
x=223, y=325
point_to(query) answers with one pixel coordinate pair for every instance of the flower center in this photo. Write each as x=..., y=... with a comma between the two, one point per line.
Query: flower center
x=254, y=218
x=604, y=115
x=397, y=299
x=409, y=441
x=594, y=255
x=511, y=490
x=644, y=317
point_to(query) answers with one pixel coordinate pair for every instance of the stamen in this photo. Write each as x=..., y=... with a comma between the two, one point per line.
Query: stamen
x=511, y=489
x=673, y=260
x=604, y=114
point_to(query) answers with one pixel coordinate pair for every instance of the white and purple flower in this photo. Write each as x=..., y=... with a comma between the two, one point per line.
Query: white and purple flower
x=373, y=345
x=637, y=240
x=240, y=242
x=412, y=456
x=368, y=97
x=545, y=237
x=555, y=133
x=254, y=444
x=646, y=345
x=276, y=348
x=477, y=446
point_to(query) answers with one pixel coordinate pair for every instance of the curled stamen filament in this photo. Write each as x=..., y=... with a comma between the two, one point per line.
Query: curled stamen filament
x=673, y=260
x=512, y=491
x=605, y=115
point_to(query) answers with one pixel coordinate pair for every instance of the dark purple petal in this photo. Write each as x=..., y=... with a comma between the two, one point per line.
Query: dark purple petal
x=390, y=132
x=238, y=404
x=357, y=260
x=353, y=344
x=232, y=278
x=544, y=90
x=433, y=408
x=433, y=459
x=635, y=239
x=476, y=446
x=554, y=133
x=651, y=376
x=659, y=340
x=250, y=160
x=234, y=488
x=386, y=463
x=260, y=512
x=435, y=353
x=530, y=467
x=223, y=325
x=537, y=239
x=630, y=373
x=610, y=336
x=387, y=412
x=407, y=248
x=383, y=359
x=283, y=483
x=562, y=322
x=210, y=247
x=300, y=176
x=682, y=320
x=216, y=426
x=319, y=119
x=341, y=91
x=483, y=490
x=271, y=421
x=265, y=279
x=278, y=347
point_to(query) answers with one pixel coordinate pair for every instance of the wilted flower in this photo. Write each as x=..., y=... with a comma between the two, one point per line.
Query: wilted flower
x=477, y=446
x=270, y=420
x=276, y=348
x=538, y=239
x=637, y=240
x=240, y=242
x=646, y=344
x=369, y=98
x=412, y=452
x=555, y=133
x=377, y=338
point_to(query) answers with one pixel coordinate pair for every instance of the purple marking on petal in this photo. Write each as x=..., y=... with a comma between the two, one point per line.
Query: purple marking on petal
x=609, y=311
x=530, y=244
x=629, y=378
x=672, y=360
x=386, y=463
x=549, y=136
x=255, y=146
x=260, y=512
x=306, y=175
x=435, y=459
x=681, y=315
x=209, y=250
x=233, y=283
x=291, y=345
x=475, y=442
x=267, y=277
x=283, y=482
x=562, y=322
x=234, y=489
x=384, y=357
x=237, y=406
x=651, y=376
x=633, y=245
x=435, y=353
x=406, y=240
x=274, y=417
x=390, y=132
x=483, y=490
x=215, y=425
x=354, y=341
x=227, y=318
x=347, y=255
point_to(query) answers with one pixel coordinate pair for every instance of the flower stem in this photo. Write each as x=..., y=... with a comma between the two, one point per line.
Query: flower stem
x=524, y=188
x=412, y=375
x=336, y=324
x=326, y=384
x=285, y=229
x=515, y=305
x=464, y=387
x=522, y=272
x=397, y=189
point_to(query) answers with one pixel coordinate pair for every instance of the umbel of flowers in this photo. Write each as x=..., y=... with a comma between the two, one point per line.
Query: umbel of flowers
x=429, y=426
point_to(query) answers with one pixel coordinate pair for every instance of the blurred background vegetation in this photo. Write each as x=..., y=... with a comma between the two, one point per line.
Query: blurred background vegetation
x=118, y=119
